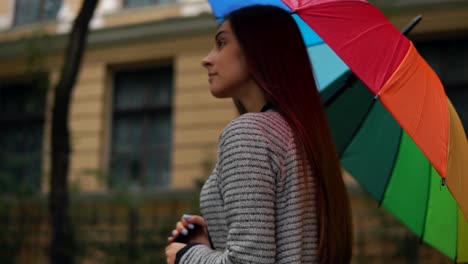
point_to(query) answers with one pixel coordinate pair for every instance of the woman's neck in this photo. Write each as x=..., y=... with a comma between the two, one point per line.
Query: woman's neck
x=254, y=100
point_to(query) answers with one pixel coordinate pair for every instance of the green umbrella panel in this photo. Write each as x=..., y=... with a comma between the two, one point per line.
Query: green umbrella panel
x=385, y=161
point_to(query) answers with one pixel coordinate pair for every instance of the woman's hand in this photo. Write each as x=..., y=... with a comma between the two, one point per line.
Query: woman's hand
x=172, y=250
x=192, y=229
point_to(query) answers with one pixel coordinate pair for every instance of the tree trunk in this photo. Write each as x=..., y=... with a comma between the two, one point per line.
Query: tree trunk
x=63, y=244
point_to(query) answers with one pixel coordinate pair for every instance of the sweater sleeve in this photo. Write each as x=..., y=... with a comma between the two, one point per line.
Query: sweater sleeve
x=247, y=181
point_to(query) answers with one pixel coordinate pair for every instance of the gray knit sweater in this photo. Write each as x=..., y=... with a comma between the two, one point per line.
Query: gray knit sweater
x=257, y=205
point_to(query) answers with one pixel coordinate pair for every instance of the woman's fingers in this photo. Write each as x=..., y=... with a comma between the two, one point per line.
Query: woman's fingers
x=170, y=239
x=185, y=225
x=192, y=219
x=173, y=236
x=181, y=229
x=185, y=219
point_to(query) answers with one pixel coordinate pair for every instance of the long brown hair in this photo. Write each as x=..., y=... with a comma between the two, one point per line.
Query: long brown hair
x=278, y=61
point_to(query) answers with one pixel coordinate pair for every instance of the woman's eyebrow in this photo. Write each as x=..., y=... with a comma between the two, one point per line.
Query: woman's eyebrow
x=219, y=33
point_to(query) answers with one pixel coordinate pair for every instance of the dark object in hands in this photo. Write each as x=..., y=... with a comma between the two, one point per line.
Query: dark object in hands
x=191, y=233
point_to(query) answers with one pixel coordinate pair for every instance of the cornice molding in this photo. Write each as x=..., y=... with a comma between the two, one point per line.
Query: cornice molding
x=184, y=27
x=438, y=20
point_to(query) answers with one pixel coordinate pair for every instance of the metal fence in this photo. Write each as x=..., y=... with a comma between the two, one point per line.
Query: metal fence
x=132, y=228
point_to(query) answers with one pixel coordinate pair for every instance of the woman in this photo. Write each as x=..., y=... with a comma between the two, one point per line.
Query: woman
x=276, y=194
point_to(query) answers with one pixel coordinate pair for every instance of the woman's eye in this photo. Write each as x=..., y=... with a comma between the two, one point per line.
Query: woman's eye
x=220, y=43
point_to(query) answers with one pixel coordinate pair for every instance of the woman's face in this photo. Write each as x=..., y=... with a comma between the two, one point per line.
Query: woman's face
x=227, y=70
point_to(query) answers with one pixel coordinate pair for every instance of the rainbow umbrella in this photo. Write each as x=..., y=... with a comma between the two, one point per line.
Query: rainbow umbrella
x=396, y=131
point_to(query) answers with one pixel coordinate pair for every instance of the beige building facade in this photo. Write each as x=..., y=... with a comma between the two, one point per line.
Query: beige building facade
x=141, y=114
x=125, y=42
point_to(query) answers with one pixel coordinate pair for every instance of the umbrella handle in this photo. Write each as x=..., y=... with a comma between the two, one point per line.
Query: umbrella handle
x=352, y=77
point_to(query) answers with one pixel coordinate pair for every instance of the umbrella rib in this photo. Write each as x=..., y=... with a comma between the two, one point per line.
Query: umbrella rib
x=348, y=82
x=356, y=130
x=355, y=38
x=423, y=230
x=395, y=157
x=352, y=77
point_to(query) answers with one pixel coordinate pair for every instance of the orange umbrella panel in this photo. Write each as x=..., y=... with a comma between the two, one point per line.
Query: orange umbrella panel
x=415, y=97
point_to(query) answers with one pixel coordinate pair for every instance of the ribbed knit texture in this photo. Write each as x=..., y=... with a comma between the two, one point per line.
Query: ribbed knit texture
x=257, y=205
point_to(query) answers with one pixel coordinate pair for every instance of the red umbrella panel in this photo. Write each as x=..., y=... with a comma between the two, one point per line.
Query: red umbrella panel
x=391, y=67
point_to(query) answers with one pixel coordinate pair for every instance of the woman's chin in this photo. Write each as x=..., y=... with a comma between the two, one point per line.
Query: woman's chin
x=219, y=94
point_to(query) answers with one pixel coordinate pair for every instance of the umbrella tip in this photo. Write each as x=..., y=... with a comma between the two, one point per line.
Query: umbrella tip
x=442, y=181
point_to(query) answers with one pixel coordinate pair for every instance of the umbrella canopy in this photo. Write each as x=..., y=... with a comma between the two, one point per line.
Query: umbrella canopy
x=392, y=169
x=400, y=146
x=392, y=69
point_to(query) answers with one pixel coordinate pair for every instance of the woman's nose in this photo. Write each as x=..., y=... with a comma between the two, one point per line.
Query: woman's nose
x=207, y=60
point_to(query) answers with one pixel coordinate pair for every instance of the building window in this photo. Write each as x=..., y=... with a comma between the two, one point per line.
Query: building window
x=22, y=106
x=449, y=59
x=141, y=128
x=33, y=11
x=139, y=3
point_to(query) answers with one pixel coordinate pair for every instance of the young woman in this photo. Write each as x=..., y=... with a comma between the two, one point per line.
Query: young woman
x=276, y=194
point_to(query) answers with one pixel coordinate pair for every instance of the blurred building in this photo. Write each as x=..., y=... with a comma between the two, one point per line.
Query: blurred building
x=141, y=114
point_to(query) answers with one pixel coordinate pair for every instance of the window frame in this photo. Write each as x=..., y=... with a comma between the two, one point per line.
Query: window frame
x=23, y=121
x=40, y=15
x=148, y=112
